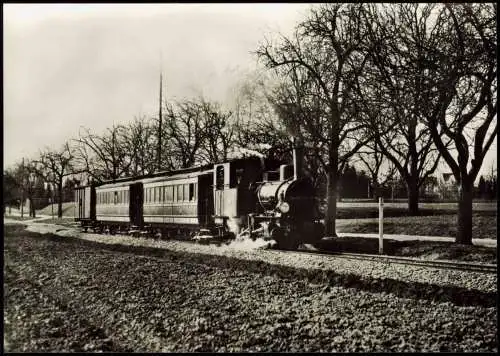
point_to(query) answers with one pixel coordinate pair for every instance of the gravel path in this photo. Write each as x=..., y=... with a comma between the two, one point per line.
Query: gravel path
x=147, y=304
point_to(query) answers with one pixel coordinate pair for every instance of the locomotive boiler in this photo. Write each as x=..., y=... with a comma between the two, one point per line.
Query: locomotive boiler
x=287, y=209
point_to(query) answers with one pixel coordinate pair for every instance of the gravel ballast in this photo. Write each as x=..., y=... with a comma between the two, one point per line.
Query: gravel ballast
x=144, y=303
x=249, y=250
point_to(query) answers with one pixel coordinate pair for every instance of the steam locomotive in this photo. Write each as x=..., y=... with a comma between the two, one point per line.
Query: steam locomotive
x=244, y=197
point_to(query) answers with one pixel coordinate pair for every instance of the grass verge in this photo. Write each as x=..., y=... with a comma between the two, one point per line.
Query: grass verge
x=443, y=225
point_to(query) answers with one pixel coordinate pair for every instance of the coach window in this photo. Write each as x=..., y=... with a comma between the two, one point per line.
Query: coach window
x=186, y=192
x=191, y=192
x=219, y=178
x=169, y=193
x=179, y=192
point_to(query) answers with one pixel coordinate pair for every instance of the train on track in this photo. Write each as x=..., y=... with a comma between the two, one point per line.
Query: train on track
x=245, y=198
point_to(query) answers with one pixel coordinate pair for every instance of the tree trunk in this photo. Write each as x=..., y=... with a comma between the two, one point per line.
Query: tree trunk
x=376, y=192
x=464, y=232
x=331, y=201
x=32, y=208
x=412, y=197
x=59, y=198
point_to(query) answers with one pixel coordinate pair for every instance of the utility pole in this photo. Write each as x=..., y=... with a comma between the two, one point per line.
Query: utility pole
x=160, y=117
x=113, y=151
x=22, y=188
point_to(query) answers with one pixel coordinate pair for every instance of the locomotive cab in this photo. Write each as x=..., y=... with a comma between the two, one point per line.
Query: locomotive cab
x=233, y=197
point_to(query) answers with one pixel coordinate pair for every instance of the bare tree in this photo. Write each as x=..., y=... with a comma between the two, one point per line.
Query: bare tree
x=53, y=166
x=256, y=122
x=391, y=91
x=380, y=170
x=139, y=141
x=25, y=177
x=328, y=51
x=186, y=132
x=461, y=95
x=104, y=157
x=219, y=132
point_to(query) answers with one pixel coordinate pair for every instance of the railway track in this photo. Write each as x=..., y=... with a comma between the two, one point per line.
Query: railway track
x=453, y=265
x=441, y=264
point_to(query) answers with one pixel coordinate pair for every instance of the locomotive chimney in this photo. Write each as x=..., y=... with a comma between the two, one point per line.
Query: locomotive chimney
x=298, y=157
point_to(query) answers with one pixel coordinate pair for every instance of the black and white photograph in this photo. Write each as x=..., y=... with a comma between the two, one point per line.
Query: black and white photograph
x=250, y=177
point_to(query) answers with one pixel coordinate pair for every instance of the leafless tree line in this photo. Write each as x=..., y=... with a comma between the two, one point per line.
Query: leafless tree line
x=194, y=132
x=414, y=82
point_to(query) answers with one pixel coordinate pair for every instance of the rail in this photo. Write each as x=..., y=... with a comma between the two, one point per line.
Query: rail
x=443, y=264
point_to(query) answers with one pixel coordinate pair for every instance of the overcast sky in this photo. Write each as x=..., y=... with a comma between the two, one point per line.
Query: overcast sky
x=92, y=65
x=73, y=65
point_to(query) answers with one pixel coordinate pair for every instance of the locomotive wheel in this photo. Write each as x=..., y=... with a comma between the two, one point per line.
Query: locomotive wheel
x=284, y=241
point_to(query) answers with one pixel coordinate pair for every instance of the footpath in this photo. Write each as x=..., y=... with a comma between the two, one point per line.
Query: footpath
x=476, y=242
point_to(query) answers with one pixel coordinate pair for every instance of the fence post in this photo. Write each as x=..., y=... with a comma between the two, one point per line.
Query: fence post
x=380, y=225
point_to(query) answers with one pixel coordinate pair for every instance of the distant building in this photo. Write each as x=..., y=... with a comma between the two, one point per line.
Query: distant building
x=448, y=187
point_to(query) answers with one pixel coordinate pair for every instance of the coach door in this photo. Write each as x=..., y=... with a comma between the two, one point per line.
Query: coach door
x=135, y=207
x=79, y=198
x=205, y=200
x=92, y=202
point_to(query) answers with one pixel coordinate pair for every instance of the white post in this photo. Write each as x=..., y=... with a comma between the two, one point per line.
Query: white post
x=380, y=225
